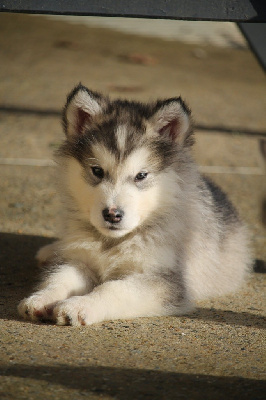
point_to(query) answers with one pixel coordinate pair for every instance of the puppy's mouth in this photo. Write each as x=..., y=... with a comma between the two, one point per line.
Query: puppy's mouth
x=113, y=228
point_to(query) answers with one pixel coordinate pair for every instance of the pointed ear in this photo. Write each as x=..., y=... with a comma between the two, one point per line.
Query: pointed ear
x=81, y=107
x=172, y=120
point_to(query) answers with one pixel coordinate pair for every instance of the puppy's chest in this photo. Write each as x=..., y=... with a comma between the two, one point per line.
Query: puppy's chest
x=116, y=263
x=105, y=262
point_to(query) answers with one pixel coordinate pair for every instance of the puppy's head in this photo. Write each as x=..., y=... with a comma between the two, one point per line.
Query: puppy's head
x=120, y=158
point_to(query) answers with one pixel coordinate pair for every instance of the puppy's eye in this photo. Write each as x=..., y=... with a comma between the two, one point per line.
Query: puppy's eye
x=98, y=172
x=140, y=176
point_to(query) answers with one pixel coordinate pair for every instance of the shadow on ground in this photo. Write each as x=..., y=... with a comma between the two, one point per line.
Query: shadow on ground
x=19, y=270
x=140, y=384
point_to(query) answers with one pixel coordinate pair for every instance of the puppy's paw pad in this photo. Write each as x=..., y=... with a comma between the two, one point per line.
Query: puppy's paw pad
x=71, y=312
x=36, y=307
x=63, y=319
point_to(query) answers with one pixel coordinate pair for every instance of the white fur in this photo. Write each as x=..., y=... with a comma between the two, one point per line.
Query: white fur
x=121, y=135
x=65, y=282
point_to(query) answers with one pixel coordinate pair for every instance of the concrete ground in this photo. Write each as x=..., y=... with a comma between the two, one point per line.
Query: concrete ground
x=218, y=351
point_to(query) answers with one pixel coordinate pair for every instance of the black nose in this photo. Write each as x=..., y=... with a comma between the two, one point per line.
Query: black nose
x=113, y=215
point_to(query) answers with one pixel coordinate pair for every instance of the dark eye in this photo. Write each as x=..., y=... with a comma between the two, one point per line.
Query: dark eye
x=98, y=172
x=140, y=176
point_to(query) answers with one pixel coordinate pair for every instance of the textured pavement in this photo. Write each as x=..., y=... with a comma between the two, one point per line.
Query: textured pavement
x=218, y=351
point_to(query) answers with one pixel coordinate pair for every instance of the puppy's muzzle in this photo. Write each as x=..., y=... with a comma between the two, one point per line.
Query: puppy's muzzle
x=112, y=215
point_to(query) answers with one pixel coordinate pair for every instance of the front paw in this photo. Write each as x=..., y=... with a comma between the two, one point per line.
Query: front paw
x=37, y=307
x=76, y=311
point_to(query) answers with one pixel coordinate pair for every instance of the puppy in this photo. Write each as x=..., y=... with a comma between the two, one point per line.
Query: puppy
x=144, y=234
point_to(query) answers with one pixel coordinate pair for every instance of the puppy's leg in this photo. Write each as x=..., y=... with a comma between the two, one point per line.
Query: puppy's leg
x=134, y=296
x=65, y=281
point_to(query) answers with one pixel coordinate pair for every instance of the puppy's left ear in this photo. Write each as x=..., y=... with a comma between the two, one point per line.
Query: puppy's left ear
x=82, y=106
x=172, y=120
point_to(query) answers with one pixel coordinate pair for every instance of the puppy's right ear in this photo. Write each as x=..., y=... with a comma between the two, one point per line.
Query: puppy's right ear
x=81, y=107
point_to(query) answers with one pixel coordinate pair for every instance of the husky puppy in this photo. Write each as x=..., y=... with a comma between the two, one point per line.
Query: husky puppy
x=144, y=234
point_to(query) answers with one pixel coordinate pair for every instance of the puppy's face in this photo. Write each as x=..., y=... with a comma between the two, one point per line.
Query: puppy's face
x=115, y=197
x=117, y=159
